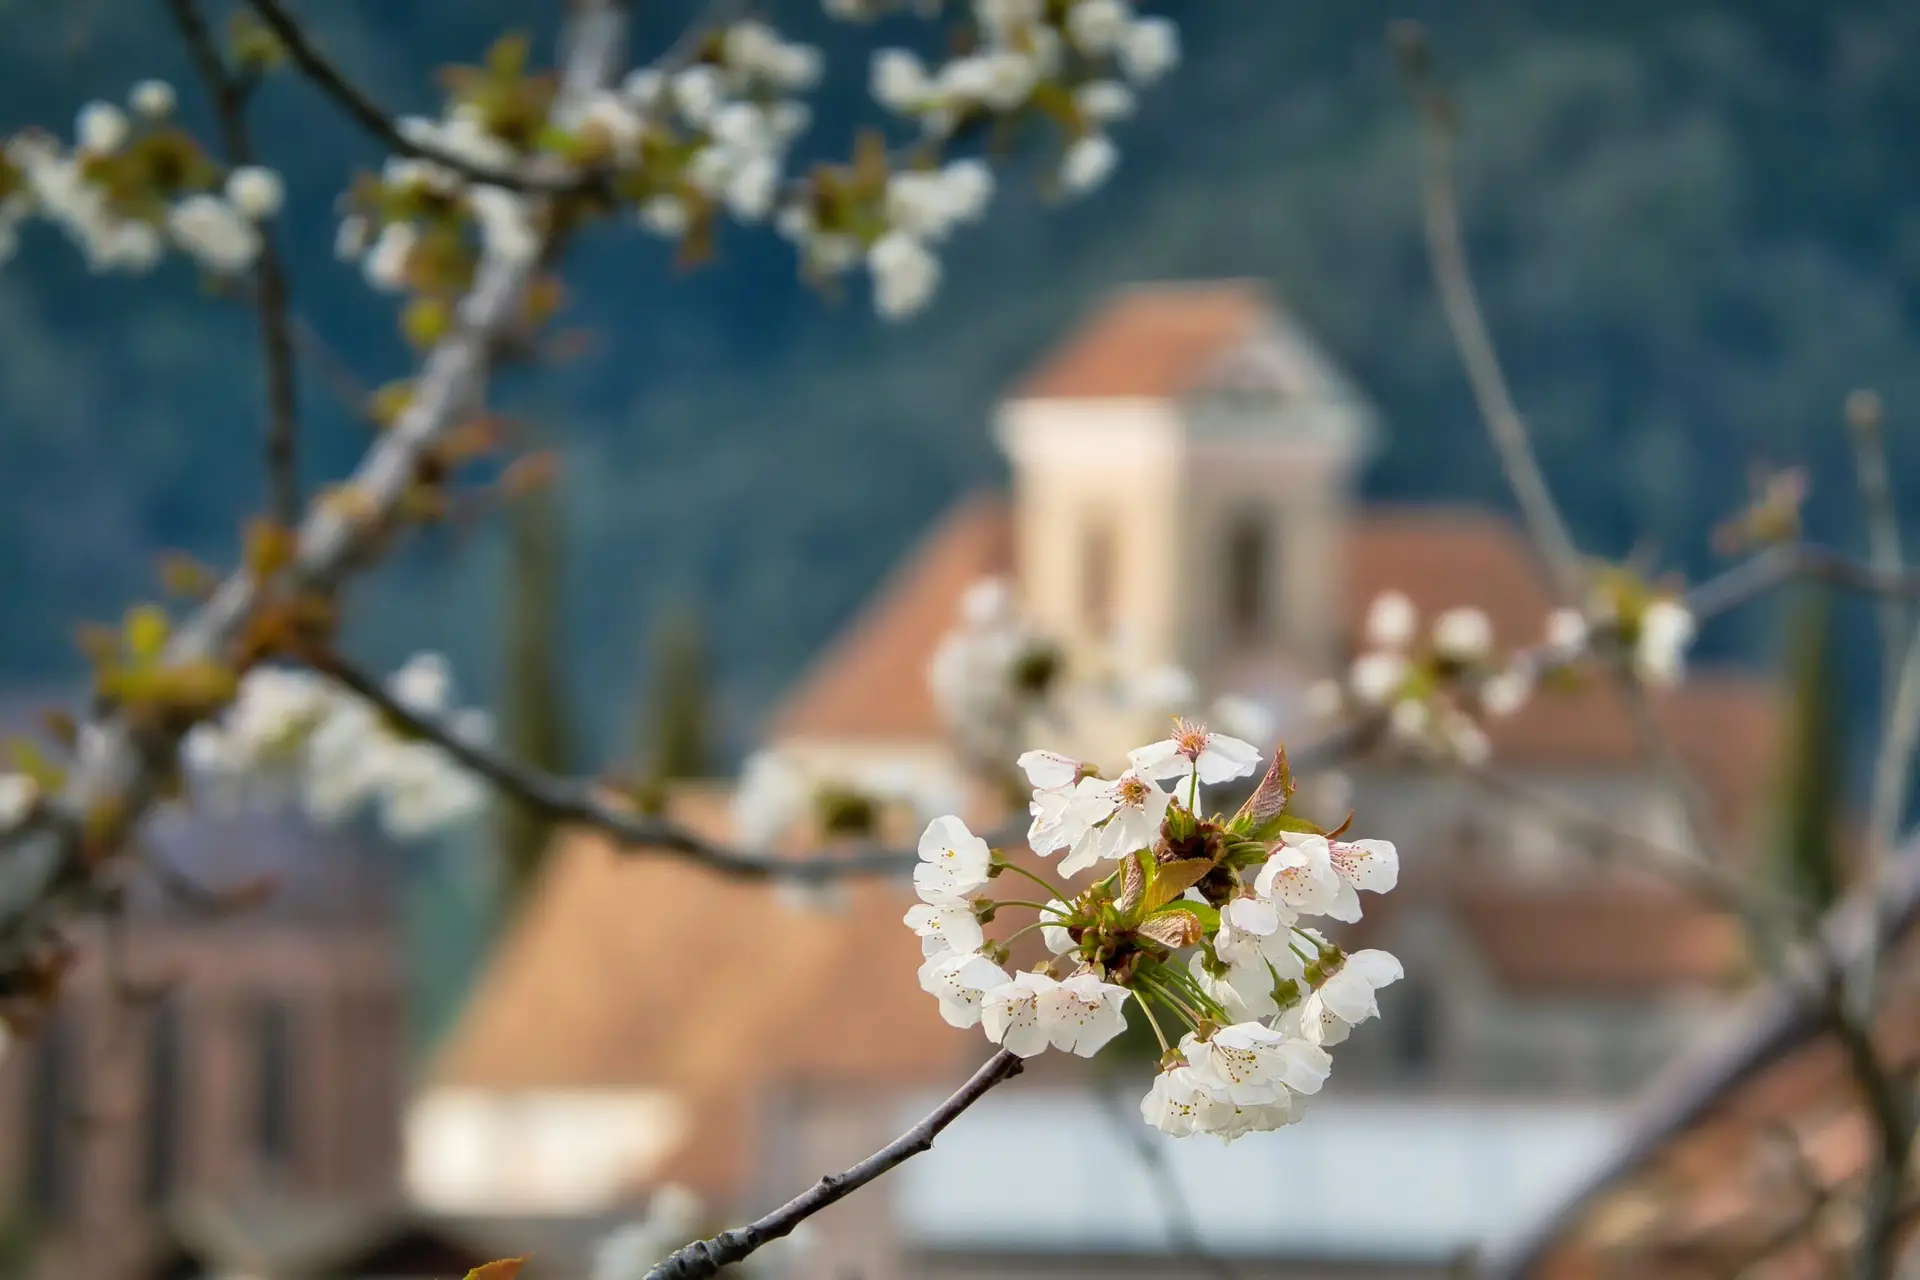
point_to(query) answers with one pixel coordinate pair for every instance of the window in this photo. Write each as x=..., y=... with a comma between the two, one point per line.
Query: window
x=1416, y=1027
x=1246, y=572
x=273, y=1090
x=51, y=1131
x=1097, y=579
x=164, y=1100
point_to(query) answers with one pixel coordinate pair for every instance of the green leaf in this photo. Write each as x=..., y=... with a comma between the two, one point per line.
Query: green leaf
x=1171, y=879
x=1206, y=913
x=1280, y=823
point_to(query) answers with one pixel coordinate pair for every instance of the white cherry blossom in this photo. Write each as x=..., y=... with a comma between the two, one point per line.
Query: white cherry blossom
x=18, y=795
x=1299, y=875
x=953, y=861
x=1056, y=936
x=1083, y=1013
x=1503, y=694
x=1566, y=632
x=1376, y=677
x=1192, y=749
x=1049, y=770
x=959, y=980
x=215, y=233
x=1373, y=865
x=1088, y=163
x=1139, y=807
x=153, y=99
x=1391, y=620
x=101, y=128
x=905, y=275
x=256, y=191
x=1463, y=634
x=945, y=926
x=1666, y=629
x=771, y=796
x=1181, y=1103
x=1250, y=1063
x=1010, y=1014
x=1150, y=50
x=1348, y=996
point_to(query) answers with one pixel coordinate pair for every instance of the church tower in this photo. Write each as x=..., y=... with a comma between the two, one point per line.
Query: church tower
x=1183, y=468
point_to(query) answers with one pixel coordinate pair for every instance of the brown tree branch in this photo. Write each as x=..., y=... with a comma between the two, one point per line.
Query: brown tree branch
x=229, y=98
x=567, y=800
x=706, y=1257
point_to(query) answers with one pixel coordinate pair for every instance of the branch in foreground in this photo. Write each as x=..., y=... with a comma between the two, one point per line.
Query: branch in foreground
x=1789, y=1012
x=270, y=297
x=567, y=800
x=371, y=117
x=121, y=770
x=706, y=1257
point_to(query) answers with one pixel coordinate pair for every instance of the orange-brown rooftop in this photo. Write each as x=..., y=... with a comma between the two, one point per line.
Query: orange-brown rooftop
x=1151, y=341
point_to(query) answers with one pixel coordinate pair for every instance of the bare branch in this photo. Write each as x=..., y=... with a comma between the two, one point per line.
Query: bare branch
x=1707, y=879
x=706, y=1257
x=1883, y=525
x=1446, y=250
x=1183, y=1229
x=229, y=97
x=1789, y=1012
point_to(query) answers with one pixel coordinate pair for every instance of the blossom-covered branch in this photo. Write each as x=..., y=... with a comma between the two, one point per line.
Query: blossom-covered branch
x=124, y=758
x=597, y=807
x=706, y=1257
x=380, y=123
x=229, y=98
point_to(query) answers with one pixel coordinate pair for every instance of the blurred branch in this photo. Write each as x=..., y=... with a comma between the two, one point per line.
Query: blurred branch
x=378, y=122
x=1851, y=1026
x=229, y=98
x=566, y=800
x=1446, y=250
x=1883, y=523
x=1793, y=1010
x=706, y=1257
x=1707, y=879
x=1183, y=1229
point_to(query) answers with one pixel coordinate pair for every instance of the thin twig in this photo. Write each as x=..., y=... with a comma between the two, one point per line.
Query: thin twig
x=229, y=98
x=1453, y=276
x=1709, y=880
x=1446, y=250
x=1883, y=525
x=567, y=800
x=370, y=116
x=706, y=1257
x=1183, y=1228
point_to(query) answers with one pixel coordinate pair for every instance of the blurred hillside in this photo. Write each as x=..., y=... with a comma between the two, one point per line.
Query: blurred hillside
x=1697, y=228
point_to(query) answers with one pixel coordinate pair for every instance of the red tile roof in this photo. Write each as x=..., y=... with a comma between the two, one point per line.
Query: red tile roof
x=871, y=683
x=1151, y=341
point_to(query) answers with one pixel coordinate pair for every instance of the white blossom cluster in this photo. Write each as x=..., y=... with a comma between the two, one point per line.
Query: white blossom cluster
x=293, y=735
x=122, y=192
x=993, y=675
x=737, y=113
x=1000, y=683
x=1200, y=916
x=779, y=794
x=1095, y=53
x=1434, y=689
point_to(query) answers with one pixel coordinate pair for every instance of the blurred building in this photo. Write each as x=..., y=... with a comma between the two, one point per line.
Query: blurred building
x=1183, y=476
x=199, y=1051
